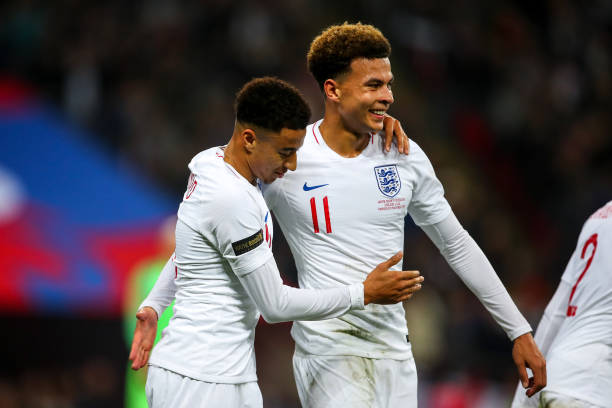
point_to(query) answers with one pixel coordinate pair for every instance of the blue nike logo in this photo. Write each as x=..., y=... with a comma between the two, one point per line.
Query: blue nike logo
x=306, y=188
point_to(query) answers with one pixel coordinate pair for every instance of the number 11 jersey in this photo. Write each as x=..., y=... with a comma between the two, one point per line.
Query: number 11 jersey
x=342, y=217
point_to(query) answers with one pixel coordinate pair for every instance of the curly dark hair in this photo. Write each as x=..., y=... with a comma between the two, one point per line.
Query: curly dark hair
x=272, y=104
x=331, y=52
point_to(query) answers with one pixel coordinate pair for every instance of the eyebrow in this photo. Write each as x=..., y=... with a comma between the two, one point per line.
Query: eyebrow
x=378, y=80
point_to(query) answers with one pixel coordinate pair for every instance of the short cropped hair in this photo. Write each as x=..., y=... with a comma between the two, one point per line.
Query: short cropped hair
x=271, y=104
x=332, y=52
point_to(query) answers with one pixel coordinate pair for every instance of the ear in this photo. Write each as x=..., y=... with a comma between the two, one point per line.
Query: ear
x=332, y=90
x=249, y=139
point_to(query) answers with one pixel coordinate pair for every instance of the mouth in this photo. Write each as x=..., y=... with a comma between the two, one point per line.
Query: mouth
x=378, y=114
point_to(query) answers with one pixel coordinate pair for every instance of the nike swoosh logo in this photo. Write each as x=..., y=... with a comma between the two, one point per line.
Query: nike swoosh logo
x=307, y=188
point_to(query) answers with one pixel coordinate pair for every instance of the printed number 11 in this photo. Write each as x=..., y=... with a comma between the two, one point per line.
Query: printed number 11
x=315, y=219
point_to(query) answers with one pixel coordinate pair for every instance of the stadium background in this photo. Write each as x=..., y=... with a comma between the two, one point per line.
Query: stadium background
x=103, y=104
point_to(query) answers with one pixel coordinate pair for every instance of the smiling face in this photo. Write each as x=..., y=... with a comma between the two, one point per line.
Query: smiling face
x=363, y=94
x=271, y=154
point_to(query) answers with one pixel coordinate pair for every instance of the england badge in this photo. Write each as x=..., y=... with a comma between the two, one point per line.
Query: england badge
x=388, y=179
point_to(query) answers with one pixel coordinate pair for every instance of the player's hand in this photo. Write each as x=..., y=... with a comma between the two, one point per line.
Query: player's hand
x=526, y=354
x=393, y=130
x=144, y=337
x=386, y=287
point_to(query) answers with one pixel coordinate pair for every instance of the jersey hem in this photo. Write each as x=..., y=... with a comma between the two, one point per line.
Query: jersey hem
x=374, y=356
x=389, y=355
x=220, y=379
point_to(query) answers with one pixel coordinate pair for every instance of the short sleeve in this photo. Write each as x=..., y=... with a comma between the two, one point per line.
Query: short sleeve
x=428, y=205
x=238, y=229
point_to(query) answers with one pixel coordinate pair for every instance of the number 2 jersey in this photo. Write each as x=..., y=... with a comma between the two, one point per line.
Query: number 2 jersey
x=575, y=333
x=347, y=214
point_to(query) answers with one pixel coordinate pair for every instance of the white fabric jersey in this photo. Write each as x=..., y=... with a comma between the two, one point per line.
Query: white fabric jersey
x=223, y=230
x=575, y=333
x=348, y=214
x=224, y=274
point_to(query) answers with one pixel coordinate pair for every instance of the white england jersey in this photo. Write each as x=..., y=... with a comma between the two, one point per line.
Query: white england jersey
x=579, y=361
x=223, y=230
x=347, y=214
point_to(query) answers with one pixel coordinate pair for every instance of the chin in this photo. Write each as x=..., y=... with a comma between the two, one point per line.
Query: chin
x=376, y=126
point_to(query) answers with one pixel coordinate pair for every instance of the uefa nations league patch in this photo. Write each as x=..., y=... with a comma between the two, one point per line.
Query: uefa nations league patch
x=388, y=179
x=248, y=243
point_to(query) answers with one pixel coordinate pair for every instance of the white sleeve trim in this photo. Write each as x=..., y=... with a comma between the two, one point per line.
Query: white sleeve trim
x=357, y=296
x=469, y=262
x=280, y=303
x=163, y=291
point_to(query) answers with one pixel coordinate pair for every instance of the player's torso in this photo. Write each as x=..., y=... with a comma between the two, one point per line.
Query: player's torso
x=345, y=210
x=341, y=218
x=589, y=307
x=211, y=332
x=581, y=354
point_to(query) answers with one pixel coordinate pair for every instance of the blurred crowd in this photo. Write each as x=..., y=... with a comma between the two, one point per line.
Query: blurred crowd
x=511, y=100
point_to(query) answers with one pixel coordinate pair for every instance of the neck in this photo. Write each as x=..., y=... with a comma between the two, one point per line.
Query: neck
x=339, y=137
x=234, y=155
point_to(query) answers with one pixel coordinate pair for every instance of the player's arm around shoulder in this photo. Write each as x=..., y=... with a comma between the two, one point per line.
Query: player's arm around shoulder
x=394, y=136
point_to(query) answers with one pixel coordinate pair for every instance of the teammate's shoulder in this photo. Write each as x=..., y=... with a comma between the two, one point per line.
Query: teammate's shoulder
x=206, y=158
x=416, y=153
x=604, y=213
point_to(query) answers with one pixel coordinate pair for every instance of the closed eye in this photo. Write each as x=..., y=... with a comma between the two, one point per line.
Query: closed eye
x=286, y=153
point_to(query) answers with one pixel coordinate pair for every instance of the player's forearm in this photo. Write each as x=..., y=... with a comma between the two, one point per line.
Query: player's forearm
x=279, y=303
x=469, y=262
x=163, y=291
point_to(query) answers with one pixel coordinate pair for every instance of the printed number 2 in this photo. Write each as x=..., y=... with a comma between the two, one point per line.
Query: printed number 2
x=571, y=309
x=315, y=219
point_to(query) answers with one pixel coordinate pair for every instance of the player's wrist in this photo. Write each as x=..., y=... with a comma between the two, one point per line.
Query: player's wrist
x=148, y=311
x=522, y=337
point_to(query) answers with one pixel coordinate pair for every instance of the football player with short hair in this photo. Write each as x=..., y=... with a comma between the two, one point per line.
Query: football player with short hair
x=345, y=205
x=224, y=269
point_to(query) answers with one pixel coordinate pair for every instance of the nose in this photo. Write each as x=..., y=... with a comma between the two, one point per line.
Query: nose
x=291, y=162
x=386, y=95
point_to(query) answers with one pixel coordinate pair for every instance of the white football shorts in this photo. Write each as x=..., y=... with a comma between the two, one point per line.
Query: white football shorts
x=356, y=382
x=166, y=389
